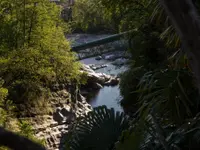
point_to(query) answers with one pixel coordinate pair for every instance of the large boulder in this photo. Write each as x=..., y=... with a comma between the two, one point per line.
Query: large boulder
x=95, y=78
x=106, y=77
x=86, y=68
x=112, y=82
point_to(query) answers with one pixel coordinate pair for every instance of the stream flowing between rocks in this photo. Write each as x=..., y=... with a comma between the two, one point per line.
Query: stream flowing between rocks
x=108, y=95
x=99, y=90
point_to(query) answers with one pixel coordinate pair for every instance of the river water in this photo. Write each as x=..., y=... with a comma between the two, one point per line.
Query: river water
x=108, y=95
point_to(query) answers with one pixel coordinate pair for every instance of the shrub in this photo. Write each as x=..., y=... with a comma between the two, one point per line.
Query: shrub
x=38, y=53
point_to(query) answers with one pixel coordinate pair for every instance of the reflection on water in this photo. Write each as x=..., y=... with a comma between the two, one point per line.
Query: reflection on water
x=108, y=95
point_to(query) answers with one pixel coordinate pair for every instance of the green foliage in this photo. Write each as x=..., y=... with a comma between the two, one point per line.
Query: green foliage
x=171, y=93
x=126, y=89
x=159, y=82
x=8, y=119
x=148, y=53
x=26, y=130
x=98, y=130
x=147, y=48
x=91, y=16
x=6, y=106
x=133, y=13
x=111, y=15
x=34, y=51
x=145, y=136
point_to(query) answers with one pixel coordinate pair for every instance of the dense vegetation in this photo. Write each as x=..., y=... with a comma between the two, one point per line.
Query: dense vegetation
x=34, y=51
x=94, y=17
x=105, y=122
x=34, y=55
x=159, y=89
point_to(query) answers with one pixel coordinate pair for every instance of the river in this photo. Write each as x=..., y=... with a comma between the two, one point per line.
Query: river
x=108, y=95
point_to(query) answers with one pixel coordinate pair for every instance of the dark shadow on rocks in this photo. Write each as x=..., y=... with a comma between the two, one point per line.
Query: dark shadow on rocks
x=63, y=140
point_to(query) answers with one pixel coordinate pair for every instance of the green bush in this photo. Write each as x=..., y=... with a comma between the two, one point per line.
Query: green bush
x=148, y=53
x=92, y=16
x=8, y=118
x=34, y=52
x=128, y=84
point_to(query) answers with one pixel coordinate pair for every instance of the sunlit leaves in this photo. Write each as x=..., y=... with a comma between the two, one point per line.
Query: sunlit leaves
x=91, y=15
x=34, y=51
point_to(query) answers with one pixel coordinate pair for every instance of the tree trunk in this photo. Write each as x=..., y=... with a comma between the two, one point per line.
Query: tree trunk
x=185, y=19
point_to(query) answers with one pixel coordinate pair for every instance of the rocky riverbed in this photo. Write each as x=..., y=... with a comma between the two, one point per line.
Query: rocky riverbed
x=98, y=80
x=53, y=127
x=68, y=106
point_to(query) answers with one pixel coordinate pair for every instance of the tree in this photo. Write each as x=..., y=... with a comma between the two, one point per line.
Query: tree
x=168, y=101
x=91, y=16
x=34, y=51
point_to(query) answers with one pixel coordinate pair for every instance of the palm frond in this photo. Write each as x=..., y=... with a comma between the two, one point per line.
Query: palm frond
x=98, y=130
x=169, y=91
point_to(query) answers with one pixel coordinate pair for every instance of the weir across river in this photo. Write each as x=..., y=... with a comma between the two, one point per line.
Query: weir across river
x=103, y=45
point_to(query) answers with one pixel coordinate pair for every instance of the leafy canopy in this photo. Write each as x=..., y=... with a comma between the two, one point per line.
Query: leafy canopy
x=34, y=52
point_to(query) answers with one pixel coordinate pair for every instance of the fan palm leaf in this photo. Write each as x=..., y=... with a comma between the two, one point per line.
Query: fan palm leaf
x=98, y=130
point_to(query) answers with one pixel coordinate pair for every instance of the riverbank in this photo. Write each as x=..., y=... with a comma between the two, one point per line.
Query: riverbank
x=101, y=88
x=53, y=127
x=107, y=95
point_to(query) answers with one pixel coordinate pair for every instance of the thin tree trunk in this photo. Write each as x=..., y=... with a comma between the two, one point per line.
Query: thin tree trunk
x=24, y=28
x=33, y=18
x=185, y=19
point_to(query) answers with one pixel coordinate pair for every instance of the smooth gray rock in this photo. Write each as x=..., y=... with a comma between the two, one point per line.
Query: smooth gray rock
x=95, y=78
x=112, y=82
x=86, y=68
